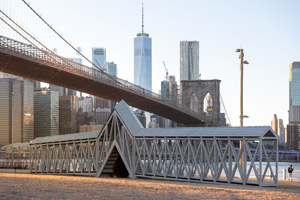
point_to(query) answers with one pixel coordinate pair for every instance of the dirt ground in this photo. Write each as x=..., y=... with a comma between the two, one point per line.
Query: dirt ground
x=31, y=186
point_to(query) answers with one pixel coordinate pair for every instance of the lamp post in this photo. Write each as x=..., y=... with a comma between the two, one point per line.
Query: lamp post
x=242, y=62
x=242, y=116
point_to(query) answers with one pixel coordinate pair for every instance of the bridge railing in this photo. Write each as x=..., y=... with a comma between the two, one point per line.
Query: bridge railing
x=65, y=64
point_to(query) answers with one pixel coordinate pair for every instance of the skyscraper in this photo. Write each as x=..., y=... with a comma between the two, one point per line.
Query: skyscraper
x=173, y=88
x=112, y=69
x=293, y=128
x=99, y=57
x=281, y=133
x=168, y=89
x=143, y=58
x=46, y=116
x=294, y=85
x=293, y=137
x=61, y=90
x=278, y=128
x=16, y=108
x=102, y=110
x=189, y=60
x=274, y=124
x=67, y=114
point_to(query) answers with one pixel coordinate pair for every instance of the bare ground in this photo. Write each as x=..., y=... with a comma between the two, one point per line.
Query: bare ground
x=32, y=186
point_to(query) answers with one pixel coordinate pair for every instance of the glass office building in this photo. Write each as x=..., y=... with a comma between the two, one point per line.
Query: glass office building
x=99, y=57
x=112, y=69
x=294, y=93
x=143, y=61
x=46, y=112
x=16, y=108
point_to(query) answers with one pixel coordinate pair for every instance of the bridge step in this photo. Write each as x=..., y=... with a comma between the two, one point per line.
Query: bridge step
x=108, y=168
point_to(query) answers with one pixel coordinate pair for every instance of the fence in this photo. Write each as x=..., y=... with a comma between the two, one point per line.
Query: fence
x=15, y=158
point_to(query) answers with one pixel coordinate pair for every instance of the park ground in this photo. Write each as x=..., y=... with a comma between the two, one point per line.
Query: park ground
x=22, y=185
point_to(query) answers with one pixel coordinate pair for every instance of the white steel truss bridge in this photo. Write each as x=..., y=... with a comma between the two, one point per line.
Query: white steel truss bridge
x=123, y=148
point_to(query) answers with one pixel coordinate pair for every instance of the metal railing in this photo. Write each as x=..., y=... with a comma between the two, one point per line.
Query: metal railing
x=64, y=64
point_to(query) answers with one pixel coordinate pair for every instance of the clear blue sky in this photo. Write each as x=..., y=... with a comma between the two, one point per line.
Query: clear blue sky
x=268, y=31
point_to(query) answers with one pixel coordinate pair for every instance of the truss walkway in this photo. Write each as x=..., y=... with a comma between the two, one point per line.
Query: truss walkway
x=124, y=148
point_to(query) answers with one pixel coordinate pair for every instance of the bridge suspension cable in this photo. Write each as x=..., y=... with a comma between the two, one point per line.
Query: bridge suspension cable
x=37, y=43
x=225, y=109
x=41, y=18
x=23, y=31
x=24, y=37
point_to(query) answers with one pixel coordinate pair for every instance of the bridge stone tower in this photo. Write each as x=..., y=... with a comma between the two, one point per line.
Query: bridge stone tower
x=196, y=93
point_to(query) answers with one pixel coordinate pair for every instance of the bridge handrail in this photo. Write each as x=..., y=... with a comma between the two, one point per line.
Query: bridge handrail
x=52, y=58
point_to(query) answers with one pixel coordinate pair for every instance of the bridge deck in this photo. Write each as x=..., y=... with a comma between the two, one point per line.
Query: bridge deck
x=27, y=61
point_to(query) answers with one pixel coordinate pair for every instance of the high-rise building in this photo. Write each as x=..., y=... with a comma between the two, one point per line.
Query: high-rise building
x=294, y=93
x=67, y=114
x=281, y=133
x=102, y=110
x=168, y=89
x=46, y=112
x=293, y=137
x=84, y=112
x=143, y=58
x=189, y=60
x=293, y=128
x=99, y=57
x=141, y=117
x=61, y=90
x=16, y=108
x=278, y=128
x=112, y=69
x=274, y=124
x=164, y=88
x=84, y=104
x=173, y=94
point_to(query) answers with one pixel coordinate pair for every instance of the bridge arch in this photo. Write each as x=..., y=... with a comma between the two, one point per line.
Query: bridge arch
x=207, y=104
x=200, y=89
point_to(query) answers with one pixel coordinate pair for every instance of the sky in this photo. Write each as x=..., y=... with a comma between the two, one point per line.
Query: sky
x=268, y=31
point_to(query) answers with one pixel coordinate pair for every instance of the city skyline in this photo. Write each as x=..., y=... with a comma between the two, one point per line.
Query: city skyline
x=268, y=37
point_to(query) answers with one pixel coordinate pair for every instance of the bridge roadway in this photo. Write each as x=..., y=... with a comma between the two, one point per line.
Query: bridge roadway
x=34, y=63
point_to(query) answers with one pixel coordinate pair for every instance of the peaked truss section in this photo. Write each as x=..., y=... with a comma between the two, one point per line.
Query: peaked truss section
x=243, y=155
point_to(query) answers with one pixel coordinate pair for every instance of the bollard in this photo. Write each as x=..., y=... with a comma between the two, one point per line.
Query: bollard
x=284, y=174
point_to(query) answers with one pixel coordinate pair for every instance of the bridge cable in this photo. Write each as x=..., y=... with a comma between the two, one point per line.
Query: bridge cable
x=110, y=76
x=23, y=36
x=225, y=109
x=27, y=33
x=49, y=51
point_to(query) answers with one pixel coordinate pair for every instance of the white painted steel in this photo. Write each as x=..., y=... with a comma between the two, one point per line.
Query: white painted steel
x=196, y=158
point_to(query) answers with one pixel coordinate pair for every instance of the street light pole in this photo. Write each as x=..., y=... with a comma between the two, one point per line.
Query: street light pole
x=242, y=62
x=241, y=86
